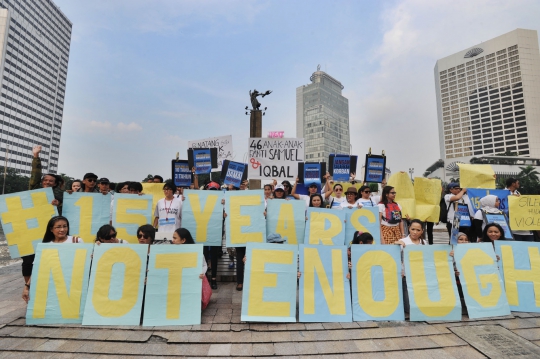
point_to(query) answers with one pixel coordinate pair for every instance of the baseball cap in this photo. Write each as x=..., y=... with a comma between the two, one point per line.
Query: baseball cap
x=90, y=175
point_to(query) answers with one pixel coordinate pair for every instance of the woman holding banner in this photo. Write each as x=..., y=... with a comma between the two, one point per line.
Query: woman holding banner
x=489, y=204
x=57, y=232
x=334, y=196
x=390, y=217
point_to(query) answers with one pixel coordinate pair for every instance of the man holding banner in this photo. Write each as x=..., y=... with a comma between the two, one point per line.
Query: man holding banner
x=458, y=202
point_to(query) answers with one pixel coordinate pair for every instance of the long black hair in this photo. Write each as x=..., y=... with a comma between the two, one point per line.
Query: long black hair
x=316, y=195
x=421, y=224
x=104, y=231
x=186, y=234
x=49, y=236
x=385, y=192
x=485, y=237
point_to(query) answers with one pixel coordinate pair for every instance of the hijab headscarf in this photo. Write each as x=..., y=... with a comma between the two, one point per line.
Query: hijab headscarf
x=488, y=204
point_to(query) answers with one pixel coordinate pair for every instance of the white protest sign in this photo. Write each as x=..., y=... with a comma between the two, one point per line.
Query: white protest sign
x=222, y=143
x=277, y=158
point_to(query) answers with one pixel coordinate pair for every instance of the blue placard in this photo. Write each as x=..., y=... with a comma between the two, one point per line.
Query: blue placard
x=475, y=194
x=500, y=219
x=375, y=169
x=431, y=283
x=202, y=161
x=269, y=293
x=286, y=218
x=116, y=287
x=182, y=174
x=325, y=226
x=202, y=215
x=59, y=283
x=173, y=285
x=302, y=188
x=481, y=282
x=365, y=219
x=325, y=292
x=245, y=220
x=520, y=268
x=341, y=168
x=234, y=174
x=465, y=216
x=84, y=222
x=377, y=292
x=312, y=174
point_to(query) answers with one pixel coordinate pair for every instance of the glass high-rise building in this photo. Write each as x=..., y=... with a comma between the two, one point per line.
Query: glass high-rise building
x=35, y=38
x=488, y=98
x=322, y=117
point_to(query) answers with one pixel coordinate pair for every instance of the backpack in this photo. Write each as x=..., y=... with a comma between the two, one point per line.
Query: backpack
x=392, y=213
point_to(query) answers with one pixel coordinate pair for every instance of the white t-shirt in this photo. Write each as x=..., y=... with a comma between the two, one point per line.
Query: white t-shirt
x=336, y=202
x=346, y=204
x=305, y=198
x=370, y=202
x=169, y=214
x=70, y=239
x=382, y=209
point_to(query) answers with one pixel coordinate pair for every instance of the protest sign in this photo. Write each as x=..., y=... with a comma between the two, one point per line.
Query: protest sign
x=341, y=166
x=480, y=280
x=245, y=220
x=269, y=293
x=202, y=215
x=427, y=193
x=325, y=226
x=376, y=283
x=131, y=211
x=454, y=230
x=59, y=283
x=181, y=173
x=501, y=220
x=275, y=158
x=173, y=286
x=156, y=191
x=325, y=293
x=86, y=213
x=222, y=144
x=476, y=176
x=475, y=194
x=524, y=212
x=520, y=268
x=375, y=168
x=365, y=219
x=404, y=193
x=203, y=159
x=431, y=283
x=24, y=218
x=233, y=173
x=115, y=292
x=311, y=173
x=286, y=218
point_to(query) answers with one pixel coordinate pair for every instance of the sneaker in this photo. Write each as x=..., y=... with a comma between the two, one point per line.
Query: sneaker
x=213, y=284
x=231, y=265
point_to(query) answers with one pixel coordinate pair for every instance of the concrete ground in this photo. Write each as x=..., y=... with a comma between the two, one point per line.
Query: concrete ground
x=223, y=334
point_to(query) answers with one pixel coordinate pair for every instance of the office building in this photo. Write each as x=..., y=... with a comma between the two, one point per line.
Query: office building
x=322, y=117
x=35, y=38
x=488, y=98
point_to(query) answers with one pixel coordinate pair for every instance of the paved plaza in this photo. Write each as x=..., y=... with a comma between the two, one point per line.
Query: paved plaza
x=223, y=334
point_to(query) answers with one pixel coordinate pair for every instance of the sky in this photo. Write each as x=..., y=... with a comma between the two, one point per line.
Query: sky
x=145, y=77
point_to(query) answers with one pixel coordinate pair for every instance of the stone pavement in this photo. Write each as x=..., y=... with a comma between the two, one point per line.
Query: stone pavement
x=223, y=334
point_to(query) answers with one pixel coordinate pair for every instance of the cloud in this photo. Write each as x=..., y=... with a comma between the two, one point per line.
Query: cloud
x=132, y=126
x=97, y=126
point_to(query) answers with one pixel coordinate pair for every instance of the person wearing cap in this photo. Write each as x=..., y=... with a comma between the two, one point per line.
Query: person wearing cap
x=279, y=192
x=312, y=189
x=352, y=199
x=168, y=212
x=103, y=185
x=89, y=183
x=457, y=196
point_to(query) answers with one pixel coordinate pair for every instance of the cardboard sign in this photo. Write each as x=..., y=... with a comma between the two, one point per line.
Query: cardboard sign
x=131, y=211
x=524, y=212
x=427, y=194
x=286, y=218
x=245, y=217
x=275, y=158
x=375, y=168
x=222, y=144
x=181, y=173
x=342, y=166
x=86, y=213
x=311, y=173
x=202, y=216
x=234, y=173
x=476, y=176
x=203, y=159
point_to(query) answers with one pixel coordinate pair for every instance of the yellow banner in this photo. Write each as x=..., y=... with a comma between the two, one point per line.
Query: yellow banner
x=476, y=176
x=404, y=193
x=156, y=191
x=427, y=192
x=524, y=213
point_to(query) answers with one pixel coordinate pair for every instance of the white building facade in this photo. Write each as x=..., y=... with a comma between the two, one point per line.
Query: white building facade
x=322, y=117
x=488, y=98
x=35, y=38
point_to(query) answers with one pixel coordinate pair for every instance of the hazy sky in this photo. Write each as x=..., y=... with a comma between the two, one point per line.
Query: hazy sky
x=145, y=77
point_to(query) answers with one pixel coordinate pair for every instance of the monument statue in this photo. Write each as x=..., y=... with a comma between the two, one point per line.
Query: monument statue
x=253, y=96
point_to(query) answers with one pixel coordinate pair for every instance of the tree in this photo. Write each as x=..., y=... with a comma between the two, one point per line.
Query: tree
x=529, y=172
x=528, y=179
x=15, y=182
x=148, y=178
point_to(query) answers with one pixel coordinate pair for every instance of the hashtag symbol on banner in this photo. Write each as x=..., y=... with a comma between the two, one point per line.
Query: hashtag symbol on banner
x=254, y=163
x=22, y=236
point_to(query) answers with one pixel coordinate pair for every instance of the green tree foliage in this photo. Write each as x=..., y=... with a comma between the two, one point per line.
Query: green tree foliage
x=374, y=187
x=528, y=180
x=15, y=182
x=149, y=177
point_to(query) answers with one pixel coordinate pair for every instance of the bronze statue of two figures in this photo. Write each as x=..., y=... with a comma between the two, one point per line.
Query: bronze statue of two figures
x=254, y=102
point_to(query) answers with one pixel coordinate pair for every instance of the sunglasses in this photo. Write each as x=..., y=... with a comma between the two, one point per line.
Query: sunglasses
x=91, y=179
x=457, y=188
x=108, y=237
x=392, y=192
x=338, y=190
x=366, y=191
x=140, y=235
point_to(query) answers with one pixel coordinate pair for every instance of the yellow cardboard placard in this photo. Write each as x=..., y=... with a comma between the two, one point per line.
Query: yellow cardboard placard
x=476, y=176
x=404, y=193
x=524, y=213
x=156, y=191
x=427, y=192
